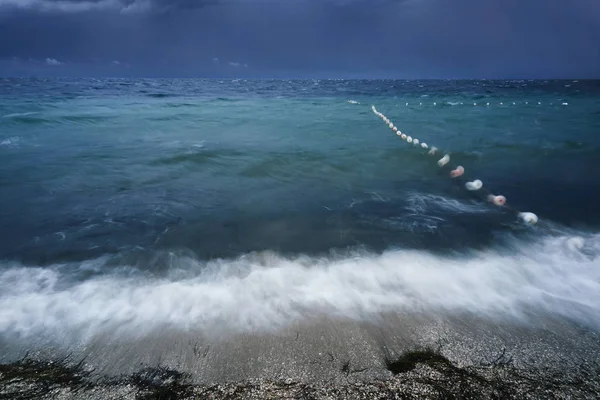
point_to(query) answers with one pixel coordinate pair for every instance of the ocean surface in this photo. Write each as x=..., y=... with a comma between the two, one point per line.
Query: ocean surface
x=131, y=205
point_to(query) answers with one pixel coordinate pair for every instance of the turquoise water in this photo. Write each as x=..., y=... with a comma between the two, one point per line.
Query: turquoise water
x=247, y=204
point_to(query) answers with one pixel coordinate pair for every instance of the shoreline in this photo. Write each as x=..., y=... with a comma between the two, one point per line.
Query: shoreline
x=397, y=356
x=422, y=373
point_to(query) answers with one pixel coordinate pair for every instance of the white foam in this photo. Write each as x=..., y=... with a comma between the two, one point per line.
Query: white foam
x=16, y=115
x=423, y=203
x=266, y=291
x=11, y=141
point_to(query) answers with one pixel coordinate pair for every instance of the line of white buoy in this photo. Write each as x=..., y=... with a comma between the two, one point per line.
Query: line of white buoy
x=458, y=171
x=486, y=104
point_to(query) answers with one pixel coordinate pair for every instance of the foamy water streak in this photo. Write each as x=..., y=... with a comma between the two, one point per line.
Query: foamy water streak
x=559, y=276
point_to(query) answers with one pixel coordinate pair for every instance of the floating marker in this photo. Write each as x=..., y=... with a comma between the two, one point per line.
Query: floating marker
x=420, y=104
x=528, y=217
x=475, y=185
x=434, y=103
x=501, y=104
x=487, y=104
x=565, y=104
x=444, y=160
x=497, y=200
x=456, y=172
x=514, y=104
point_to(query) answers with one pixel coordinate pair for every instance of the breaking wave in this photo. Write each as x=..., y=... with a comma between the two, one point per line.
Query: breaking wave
x=556, y=276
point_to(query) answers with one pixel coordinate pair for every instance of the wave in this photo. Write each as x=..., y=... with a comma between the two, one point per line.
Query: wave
x=11, y=141
x=65, y=119
x=17, y=115
x=265, y=291
x=419, y=203
x=157, y=95
x=197, y=155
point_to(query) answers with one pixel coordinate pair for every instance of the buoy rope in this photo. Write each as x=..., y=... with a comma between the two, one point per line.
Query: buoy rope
x=475, y=186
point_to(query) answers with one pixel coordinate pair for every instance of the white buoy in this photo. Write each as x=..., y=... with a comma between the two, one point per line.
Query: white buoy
x=403, y=136
x=474, y=185
x=407, y=104
x=565, y=104
x=409, y=139
x=432, y=151
x=424, y=145
x=395, y=129
x=391, y=125
x=444, y=160
x=456, y=172
x=416, y=142
x=434, y=103
x=501, y=104
x=526, y=102
x=528, y=217
x=474, y=104
x=399, y=133
x=487, y=104
x=497, y=200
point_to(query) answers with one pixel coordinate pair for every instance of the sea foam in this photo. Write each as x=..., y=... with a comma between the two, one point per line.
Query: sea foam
x=265, y=291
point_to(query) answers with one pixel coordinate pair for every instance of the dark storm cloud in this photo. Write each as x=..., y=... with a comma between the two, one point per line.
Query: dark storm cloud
x=405, y=38
x=122, y=6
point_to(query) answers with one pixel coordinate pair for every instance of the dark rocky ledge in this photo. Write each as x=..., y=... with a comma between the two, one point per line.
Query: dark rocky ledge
x=423, y=373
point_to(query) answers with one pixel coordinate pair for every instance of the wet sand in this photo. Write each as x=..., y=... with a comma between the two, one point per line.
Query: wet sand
x=344, y=359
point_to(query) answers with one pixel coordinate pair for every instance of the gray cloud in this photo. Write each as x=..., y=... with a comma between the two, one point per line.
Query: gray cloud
x=52, y=61
x=120, y=6
x=65, y=6
x=236, y=64
x=378, y=38
x=158, y=6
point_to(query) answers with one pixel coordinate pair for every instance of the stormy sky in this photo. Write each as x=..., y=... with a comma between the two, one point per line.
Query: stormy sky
x=301, y=38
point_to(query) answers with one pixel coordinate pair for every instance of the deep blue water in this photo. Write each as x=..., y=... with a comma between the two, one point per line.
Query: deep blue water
x=273, y=197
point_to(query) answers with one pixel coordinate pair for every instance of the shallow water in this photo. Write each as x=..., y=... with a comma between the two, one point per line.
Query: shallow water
x=245, y=206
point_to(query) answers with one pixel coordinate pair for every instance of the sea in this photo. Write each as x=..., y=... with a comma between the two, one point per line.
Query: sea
x=131, y=206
